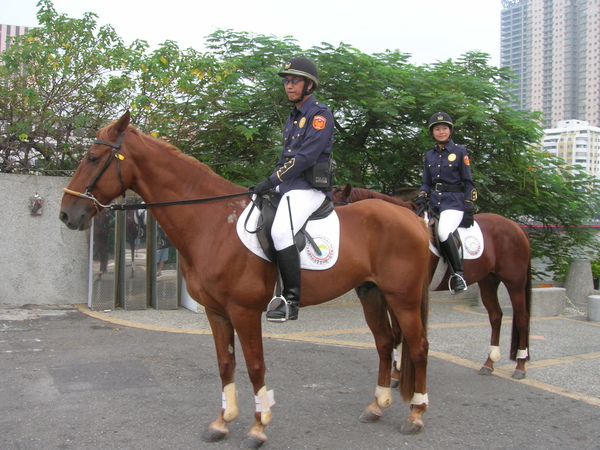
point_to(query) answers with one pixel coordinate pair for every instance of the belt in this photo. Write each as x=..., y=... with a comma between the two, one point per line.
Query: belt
x=439, y=187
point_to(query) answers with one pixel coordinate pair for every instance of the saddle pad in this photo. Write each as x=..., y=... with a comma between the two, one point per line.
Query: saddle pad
x=472, y=242
x=325, y=232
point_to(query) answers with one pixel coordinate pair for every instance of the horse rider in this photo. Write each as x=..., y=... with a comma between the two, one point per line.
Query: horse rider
x=448, y=187
x=307, y=142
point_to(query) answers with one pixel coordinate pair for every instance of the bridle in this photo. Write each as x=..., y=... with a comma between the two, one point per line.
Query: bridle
x=114, y=154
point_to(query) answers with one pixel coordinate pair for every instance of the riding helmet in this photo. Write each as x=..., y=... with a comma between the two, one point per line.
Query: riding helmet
x=440, y=117
x=301, y=66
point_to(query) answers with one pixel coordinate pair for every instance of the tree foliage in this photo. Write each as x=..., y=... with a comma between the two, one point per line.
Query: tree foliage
x=68, y=77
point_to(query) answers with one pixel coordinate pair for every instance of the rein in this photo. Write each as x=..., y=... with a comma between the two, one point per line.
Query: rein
x=127, y=207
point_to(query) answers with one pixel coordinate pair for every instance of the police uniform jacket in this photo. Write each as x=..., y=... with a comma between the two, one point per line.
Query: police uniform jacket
x=447, y=177
x=307, y=139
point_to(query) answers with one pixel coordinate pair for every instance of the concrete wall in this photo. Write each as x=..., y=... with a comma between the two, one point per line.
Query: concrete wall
x=43, y=262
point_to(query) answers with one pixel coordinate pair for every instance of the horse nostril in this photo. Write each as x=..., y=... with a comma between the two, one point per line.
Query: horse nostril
x=64, y=217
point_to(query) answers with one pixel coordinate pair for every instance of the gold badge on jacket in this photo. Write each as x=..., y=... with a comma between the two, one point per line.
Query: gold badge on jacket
x=451, y=157
x=302, y=122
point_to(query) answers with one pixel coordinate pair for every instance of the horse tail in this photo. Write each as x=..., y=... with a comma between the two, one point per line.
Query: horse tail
x=407, y=368
x=514, y=344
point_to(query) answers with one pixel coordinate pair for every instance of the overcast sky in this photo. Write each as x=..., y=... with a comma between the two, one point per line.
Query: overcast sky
x=430, y=31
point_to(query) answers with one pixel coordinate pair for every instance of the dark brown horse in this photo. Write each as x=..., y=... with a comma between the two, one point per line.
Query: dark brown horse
x=349, y=195
x=383, y=248
x=506, y=259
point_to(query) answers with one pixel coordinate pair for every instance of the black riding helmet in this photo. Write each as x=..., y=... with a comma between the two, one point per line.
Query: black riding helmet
x=303, y=67
x=440, y=117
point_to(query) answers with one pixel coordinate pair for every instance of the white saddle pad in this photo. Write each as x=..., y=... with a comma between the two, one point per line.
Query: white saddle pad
x=472, y=241
x=325, y=232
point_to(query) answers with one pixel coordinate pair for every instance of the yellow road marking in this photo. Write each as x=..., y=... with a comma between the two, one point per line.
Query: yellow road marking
x=82, y=308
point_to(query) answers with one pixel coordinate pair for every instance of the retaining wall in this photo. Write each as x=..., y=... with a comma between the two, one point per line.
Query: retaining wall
x=43, y=262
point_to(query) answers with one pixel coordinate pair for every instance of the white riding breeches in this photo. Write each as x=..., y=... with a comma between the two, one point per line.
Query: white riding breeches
x=302, y=203
x=449, y=221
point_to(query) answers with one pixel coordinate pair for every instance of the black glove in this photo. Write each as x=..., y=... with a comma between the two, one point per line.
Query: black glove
x=263, y=187
x=467, y=220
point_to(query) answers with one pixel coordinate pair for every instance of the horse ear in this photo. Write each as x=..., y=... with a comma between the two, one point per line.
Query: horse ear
x=123, y=122
x=347, y=190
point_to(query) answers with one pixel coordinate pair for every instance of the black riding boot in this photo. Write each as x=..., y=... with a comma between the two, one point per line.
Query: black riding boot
x=451, y=252
x=288, y=261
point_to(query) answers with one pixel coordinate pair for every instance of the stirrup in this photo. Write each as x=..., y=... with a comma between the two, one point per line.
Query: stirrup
x=278, y=299
x=454, y=276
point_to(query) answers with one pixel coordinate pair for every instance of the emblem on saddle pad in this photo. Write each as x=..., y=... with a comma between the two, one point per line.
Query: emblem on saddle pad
x=472, y=245
x=326, y=248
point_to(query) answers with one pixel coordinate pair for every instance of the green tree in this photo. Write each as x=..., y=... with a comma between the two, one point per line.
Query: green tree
x=61, y=81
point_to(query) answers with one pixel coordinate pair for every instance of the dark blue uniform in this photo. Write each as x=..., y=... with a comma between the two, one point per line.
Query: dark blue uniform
x=447, y=177
x=308, y=138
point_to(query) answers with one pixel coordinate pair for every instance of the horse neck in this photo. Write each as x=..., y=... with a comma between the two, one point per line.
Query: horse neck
x=165, y=175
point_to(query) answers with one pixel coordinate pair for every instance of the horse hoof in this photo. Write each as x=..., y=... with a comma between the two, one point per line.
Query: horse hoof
x=410, y=428
x=212, y=435
x=395, y=383
x=251, y=442
x=369, y=417
x=485, y=370
x=518, y=374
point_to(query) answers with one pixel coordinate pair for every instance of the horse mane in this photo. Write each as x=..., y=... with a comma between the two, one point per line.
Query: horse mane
x=190, y=160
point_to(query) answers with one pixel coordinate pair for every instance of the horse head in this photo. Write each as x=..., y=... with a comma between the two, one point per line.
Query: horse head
x=342, y=195
x=101, y=176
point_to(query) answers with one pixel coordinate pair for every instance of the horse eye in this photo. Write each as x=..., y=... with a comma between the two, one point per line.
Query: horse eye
x=92, y=158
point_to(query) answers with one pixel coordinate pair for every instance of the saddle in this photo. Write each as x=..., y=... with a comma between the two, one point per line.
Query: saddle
x=267, y=205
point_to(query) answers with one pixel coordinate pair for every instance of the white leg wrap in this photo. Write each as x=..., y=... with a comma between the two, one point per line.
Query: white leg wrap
x=495, y=353
x=383, y=396
x=419, y=399
x=397, y=353
x=264, y=400
x=230, y=404
x=522, y=354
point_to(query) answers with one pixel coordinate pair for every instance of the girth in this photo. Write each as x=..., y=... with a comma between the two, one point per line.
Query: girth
x=267, y=205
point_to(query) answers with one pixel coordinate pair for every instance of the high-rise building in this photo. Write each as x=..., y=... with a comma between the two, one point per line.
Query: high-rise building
x=553, y=47
x=576, y=142
x=10, y=30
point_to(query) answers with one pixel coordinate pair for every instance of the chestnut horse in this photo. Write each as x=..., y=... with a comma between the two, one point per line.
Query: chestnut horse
x=382, y=247
x=506, y=259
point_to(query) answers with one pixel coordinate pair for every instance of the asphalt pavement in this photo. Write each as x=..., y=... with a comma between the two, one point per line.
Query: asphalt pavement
x=77, y=379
